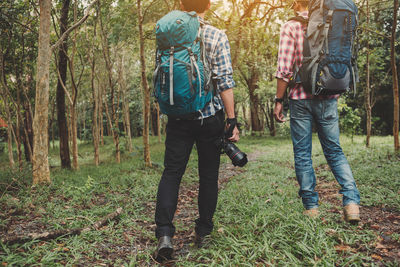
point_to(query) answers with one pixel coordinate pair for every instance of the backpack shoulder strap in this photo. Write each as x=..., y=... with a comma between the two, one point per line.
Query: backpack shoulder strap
x=300, y=19
x=295, y=78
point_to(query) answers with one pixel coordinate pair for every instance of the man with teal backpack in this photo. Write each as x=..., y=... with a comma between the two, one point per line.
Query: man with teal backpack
x=193, y=85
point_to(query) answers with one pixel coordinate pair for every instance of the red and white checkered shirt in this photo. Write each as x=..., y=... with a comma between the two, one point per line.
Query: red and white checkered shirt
x=291, y=53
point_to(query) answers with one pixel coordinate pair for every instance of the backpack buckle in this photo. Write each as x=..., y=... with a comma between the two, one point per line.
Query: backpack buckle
x=329, y=16
x=190, y=51
x=171, y=50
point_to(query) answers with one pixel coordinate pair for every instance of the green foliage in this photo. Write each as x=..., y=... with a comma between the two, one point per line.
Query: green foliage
x=377, y=33
x=350, y=120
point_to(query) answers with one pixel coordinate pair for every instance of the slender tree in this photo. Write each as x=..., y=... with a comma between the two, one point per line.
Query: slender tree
x=125, y=101
x=95, y=96
x=74, y=95
x=395, y=78
x=367, y=92
x=114, y=117
x=60, y=98
x=145, y=88
x=40, y=162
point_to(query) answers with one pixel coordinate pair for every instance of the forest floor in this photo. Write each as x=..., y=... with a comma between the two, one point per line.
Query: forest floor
x=258, y=222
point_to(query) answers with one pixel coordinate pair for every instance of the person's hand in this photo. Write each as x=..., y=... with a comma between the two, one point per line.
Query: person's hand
x=278, y=114
x=235, y=135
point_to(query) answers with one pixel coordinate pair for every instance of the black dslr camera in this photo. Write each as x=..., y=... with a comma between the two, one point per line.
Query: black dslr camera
x=237, y=157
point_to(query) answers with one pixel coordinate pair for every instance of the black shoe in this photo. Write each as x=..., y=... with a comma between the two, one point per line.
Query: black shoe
x=201, y=241
x=164, y=249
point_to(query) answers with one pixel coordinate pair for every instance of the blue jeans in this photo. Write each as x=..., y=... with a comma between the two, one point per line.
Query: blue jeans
x=324, y=114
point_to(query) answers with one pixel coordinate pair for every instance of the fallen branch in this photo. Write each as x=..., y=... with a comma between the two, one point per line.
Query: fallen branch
x=62, y=232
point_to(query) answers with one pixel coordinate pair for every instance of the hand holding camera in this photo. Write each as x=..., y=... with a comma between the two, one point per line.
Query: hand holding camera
x=237, y=157
x=232, y=131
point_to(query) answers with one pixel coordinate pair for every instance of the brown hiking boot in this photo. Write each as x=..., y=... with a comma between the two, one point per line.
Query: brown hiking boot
x=352, y=213
x=312, y=213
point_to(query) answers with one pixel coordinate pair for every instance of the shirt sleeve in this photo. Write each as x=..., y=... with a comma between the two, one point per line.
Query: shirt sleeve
x=222, y=64
x=286, y=53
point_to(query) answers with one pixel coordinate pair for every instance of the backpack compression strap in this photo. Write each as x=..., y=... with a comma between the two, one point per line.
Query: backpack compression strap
x=171, y=76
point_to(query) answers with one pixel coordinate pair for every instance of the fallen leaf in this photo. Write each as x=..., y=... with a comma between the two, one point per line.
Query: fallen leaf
x=380, y=246
x=14, y=199
x=393, y=217
x=4, y=263
x=376, y=257
x=331, y=231
x=126, y=237
x=268, y=200
x=65, y=249
x=221, y=230
x=375, y=227
x=343, y=248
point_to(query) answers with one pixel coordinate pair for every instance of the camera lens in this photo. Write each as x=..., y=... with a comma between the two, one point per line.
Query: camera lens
x=237, y=157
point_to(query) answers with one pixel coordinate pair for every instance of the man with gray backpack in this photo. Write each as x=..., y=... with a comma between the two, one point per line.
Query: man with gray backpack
x=316, y=61
x=193, y=85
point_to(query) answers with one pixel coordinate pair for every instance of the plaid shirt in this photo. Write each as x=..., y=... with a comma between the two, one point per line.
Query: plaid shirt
x=291, y=53
x=218, y=50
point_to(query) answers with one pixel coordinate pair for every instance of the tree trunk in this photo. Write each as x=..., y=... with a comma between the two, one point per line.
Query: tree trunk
x=28, y=129
x=19, y=120
x=125, y=105
x=60, y=97
x=9, y=145
x=40, y=163
x=245, y=118
x=95, y=127
x=154, y=123
x=146, y=91
x=96, y=100
x=9, y=134
x=269, y=117
x=254, y=102
x=4, y=96
x=101, y=125
x=73, y=111
x=368, y=106
x=109, y=124
x=51, y=123
x=395, y=78
x=74, y=138
x=114, y=106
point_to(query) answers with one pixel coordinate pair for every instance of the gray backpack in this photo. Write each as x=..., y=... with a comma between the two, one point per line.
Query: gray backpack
x=329, y=58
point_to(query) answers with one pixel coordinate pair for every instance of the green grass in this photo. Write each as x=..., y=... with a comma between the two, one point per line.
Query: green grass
x=258, y=221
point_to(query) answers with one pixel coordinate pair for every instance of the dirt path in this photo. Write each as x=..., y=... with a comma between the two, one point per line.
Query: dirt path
x=383, y=221
x=187, y=212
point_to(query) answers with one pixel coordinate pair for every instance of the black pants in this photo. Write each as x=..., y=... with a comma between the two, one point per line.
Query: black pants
x=181, y=135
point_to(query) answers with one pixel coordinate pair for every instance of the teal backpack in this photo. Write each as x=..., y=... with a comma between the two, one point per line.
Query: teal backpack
x=182, y=76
